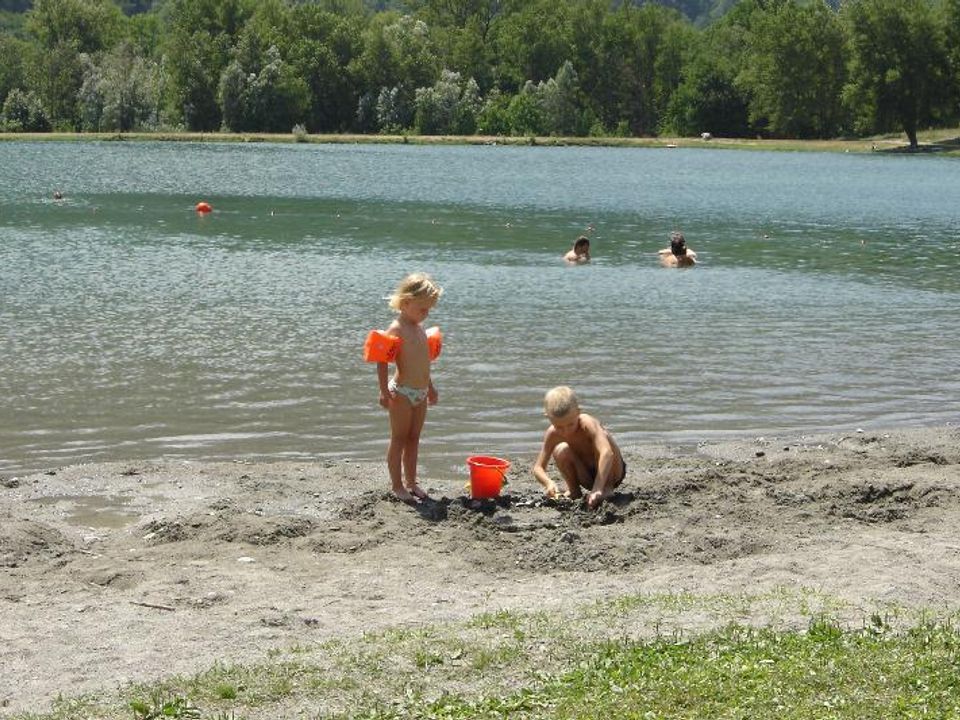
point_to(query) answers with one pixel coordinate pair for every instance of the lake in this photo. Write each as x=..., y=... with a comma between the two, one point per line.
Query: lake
x=131, y=328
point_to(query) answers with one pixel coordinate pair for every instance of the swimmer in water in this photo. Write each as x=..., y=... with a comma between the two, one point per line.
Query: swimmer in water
x=678, y=254
x=580, y=252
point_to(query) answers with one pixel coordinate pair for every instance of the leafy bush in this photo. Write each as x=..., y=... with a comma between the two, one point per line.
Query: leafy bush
x=23, y=112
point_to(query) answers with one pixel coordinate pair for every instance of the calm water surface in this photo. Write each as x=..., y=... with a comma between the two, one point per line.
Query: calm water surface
x=826, y=299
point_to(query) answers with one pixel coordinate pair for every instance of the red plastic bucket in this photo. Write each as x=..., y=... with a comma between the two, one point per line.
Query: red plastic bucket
x=486, y=475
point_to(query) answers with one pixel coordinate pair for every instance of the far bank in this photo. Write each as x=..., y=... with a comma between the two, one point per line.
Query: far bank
x=940, y=142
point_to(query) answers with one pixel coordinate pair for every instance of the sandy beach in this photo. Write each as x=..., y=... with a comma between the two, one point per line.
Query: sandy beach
x=119, y=573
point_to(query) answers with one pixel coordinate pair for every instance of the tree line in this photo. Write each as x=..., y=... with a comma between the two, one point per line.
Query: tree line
x=770, y=68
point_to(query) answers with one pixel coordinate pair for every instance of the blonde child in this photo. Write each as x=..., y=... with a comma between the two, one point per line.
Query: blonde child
x=407, y=394
x=586, y=454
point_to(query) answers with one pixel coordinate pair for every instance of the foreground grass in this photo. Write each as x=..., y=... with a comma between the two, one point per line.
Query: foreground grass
x=741, y=673
x=628, y=658
x=941, y=141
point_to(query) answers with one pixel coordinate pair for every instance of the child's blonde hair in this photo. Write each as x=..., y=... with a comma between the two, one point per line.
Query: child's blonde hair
x=559, y=401
x=415, y=286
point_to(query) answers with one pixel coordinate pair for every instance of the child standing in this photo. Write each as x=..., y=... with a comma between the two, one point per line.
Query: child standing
x=585, y=453
x=407, y=394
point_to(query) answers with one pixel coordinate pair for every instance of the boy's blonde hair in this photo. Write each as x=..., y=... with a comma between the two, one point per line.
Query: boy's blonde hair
x=559, y=401
x=415, y=286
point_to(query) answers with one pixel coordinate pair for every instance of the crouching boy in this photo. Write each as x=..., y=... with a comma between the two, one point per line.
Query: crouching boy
x=585, y=453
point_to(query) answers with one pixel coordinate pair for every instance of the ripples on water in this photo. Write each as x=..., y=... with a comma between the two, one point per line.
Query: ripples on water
x=826, y=297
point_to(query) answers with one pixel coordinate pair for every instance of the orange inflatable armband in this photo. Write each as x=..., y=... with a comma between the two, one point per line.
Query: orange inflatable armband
x=434, y=342
x=380, y=347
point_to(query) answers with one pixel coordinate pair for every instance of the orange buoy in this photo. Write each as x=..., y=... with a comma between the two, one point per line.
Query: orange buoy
x=204, y=207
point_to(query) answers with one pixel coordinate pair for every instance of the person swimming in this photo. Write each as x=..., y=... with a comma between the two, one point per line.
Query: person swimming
x=580, y=252
x=678, y=254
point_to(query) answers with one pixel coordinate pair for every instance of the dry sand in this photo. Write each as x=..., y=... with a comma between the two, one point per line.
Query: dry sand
x=127, y=572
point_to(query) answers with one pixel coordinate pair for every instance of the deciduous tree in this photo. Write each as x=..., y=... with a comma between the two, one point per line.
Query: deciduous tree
x=86, y=25
x=12, y=75
x=323, y=50
x=899, y=70
x=197, y=49
x=23, y=112
x=795, y=68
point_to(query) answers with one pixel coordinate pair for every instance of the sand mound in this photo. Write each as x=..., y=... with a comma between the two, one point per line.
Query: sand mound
x=24, y=542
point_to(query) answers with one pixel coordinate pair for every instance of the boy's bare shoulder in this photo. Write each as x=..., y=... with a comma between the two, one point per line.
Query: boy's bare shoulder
x=549, y=434
x=589, y=421
x=593, y=429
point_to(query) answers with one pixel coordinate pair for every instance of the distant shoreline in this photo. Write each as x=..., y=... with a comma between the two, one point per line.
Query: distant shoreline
x=939, y=142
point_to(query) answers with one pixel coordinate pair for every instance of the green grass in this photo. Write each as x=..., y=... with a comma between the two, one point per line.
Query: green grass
x=738, y=672
x=788, y=655
x=944, y=141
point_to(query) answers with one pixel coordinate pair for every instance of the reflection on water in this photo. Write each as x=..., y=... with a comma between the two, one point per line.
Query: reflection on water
x=133, y=328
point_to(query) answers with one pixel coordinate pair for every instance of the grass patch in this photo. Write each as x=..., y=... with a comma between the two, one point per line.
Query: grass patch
x=944, y=141
x=788, y=654
x=739, y=672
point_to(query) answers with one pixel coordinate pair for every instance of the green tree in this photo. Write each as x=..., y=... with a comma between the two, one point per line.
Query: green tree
x=899, y=71
x=131, y=99
x=470, y=53
x=525, y=113
x=13, y=24
x=145, y=33
x=951, y=21
x=278, y=99
x=708, y=98
x=12, y=74
x=324, y=49
x=629, y=63
x=795, y=69
x=494, y=117
x=231, y=93
x=196, y=51
x=22, y=112
x=413, y=57
x=86, y=25
x=450, y=107
x=393, y=113
x=461, y=34
x=120, y=94
x=90, y=96
x=560, y=102
x=268, y=97
x=532, y=43
x=597, y=41
x=397, y=58
x=457, y=13
x=62, y=30
x=55, y=76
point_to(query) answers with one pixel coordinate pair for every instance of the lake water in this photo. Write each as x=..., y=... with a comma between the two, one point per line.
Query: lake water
x=131, y=328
